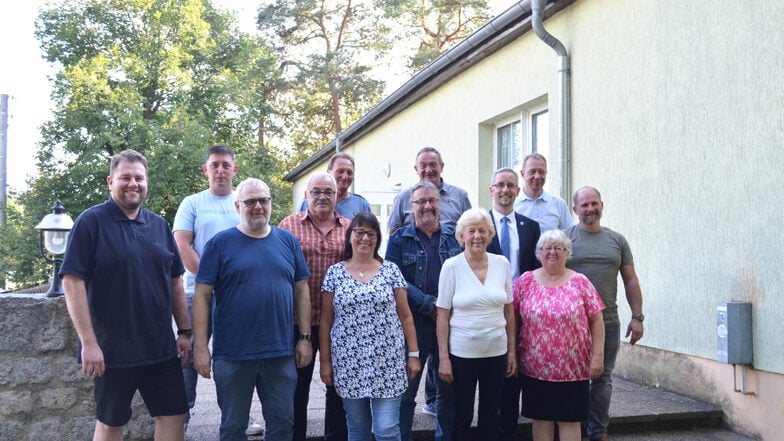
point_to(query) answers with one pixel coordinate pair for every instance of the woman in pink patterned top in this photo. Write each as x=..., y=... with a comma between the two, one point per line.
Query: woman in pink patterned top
x=561, y=340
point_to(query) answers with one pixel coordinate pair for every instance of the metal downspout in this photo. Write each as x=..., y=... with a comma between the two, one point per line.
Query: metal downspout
x=564, y=133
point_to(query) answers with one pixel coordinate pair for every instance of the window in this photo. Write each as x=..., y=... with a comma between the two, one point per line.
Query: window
x=527, y=131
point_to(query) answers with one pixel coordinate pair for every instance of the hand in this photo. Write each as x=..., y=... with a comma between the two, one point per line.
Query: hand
x=445, y=370
x=202, y=361
x=303, y=353
x=326, y=373
x=413, y=367
x=597, y=366
x=636, y=330
x=184, y=349
x=511, y=364
x=92, y=360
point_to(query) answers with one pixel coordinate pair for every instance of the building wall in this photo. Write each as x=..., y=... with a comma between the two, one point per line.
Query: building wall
x=678, y=118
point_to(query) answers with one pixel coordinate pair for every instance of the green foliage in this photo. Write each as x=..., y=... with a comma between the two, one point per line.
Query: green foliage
x=327, y=49
x=436, y=24
x=20, y=258
x=168, y=78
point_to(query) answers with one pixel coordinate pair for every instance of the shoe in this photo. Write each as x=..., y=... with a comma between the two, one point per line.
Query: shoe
x=429, y=409
x=254, y=429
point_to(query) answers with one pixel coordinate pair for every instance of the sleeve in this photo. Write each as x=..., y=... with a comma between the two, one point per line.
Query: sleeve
x=591, y=299
x=465, y=202
x=419, y=302
x=177, y=268
x=397, y=279
x=565, y=220
x=301, y=270
x=209, y=263
x=626, y=251
x=185, y=216
x=80, y=251
x=396, y=215
x=447, y=284
x=304, y=205
x=329, y=280
x=508, y=282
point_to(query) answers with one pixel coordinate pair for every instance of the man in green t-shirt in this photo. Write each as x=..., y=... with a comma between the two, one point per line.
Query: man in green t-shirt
x=600, y=254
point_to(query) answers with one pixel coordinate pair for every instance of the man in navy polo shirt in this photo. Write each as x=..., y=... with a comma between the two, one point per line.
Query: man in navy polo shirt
x=122, y=279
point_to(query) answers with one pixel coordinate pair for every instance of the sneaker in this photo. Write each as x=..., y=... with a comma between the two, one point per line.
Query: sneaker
x=254, y=429
x=429, y=409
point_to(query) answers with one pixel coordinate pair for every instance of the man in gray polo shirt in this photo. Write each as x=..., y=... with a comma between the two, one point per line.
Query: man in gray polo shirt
x=454, y=200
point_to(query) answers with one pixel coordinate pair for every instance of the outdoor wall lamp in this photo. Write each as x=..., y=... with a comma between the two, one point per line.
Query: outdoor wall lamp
x=55, y=228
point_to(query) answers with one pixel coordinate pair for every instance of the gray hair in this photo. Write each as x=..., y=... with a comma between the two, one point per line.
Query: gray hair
x=587, y=187
x=556, y=237
x=324, y=175
x=473, y=216
x=427, y=185
x=428, y=150
x=250, y=182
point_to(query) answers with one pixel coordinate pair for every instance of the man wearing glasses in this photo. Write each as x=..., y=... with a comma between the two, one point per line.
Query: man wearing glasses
x=322, y=233
x=601, y=253
x=419, y=250
x=515, y=238
x=258, y=276
x=454, y=200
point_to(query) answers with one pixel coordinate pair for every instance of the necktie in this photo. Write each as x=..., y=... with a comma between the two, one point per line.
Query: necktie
x=505, y=237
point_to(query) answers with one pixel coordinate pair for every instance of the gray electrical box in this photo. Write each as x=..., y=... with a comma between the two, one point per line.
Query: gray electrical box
x=733, y=332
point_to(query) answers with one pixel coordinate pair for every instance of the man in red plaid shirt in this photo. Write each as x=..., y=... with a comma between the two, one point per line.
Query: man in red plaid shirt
x=321, y=232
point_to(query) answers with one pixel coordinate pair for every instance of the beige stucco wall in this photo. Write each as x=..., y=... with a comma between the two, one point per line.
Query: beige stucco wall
x=678, y=118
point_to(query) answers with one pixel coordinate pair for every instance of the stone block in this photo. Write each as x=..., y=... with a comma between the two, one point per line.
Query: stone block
x=16, y=402
x=29, y=370
x=59, y=399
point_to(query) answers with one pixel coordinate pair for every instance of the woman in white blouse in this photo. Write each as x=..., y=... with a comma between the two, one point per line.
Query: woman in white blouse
x=476, y=326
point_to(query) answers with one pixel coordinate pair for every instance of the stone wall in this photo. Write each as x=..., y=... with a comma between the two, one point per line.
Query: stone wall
x=43, y=393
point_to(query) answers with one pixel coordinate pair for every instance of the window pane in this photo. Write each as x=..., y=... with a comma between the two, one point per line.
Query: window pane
x=540, y=129
x=504, y=135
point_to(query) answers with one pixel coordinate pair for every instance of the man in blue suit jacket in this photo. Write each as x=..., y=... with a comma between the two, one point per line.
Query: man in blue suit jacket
x=523, y=233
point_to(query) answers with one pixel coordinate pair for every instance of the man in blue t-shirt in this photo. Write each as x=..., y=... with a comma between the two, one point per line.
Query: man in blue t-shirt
x=121, y=275
x=258, y=276
x=347, y=204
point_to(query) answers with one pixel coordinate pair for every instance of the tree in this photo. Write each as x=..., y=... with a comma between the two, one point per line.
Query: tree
x=326, y=49
x=437, y=24
x=168, y=78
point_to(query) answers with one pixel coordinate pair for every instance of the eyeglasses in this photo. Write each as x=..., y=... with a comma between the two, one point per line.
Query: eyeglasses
x=423, y=202
x=548, y=248
x=318, y=193
x=250, y=203
x=503, y=185
x=359, y=234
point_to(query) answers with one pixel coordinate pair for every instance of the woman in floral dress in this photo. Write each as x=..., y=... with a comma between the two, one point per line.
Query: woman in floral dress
x=562, y=340
x=367, y=337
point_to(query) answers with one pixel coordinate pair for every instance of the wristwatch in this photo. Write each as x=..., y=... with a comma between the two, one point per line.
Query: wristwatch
x=304, y=337
x=185, y=331
x=640, y=318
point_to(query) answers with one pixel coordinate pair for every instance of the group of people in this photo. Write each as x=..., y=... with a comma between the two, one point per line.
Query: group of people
x=515, y=300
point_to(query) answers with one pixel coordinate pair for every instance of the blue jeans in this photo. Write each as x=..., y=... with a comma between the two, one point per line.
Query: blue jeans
x=274, y=380
x=188, y=372
x=489, y=373
x=428, y=347
x=382, y=415
x=601, y=388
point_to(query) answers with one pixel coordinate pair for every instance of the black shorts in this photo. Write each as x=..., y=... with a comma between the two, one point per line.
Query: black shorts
x=161, y=386
x=554, y=401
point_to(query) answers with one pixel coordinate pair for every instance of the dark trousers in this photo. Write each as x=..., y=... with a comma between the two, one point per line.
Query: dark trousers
x=509, y=414
x=334, y=415
x=489, y=373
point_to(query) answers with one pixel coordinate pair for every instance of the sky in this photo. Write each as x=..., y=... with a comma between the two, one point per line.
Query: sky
x=24, y=76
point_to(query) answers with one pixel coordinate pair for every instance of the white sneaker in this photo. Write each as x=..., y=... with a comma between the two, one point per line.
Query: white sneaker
x=254, y=429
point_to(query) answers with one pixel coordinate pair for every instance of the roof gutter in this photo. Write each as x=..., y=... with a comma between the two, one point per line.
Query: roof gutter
x=564, y=133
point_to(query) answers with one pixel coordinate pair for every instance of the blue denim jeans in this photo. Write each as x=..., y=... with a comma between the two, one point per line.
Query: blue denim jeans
x=382, y=415
x=489, y=374
x=428, y=347
x=274, y=380
x=601, y=388
x=188, y=372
